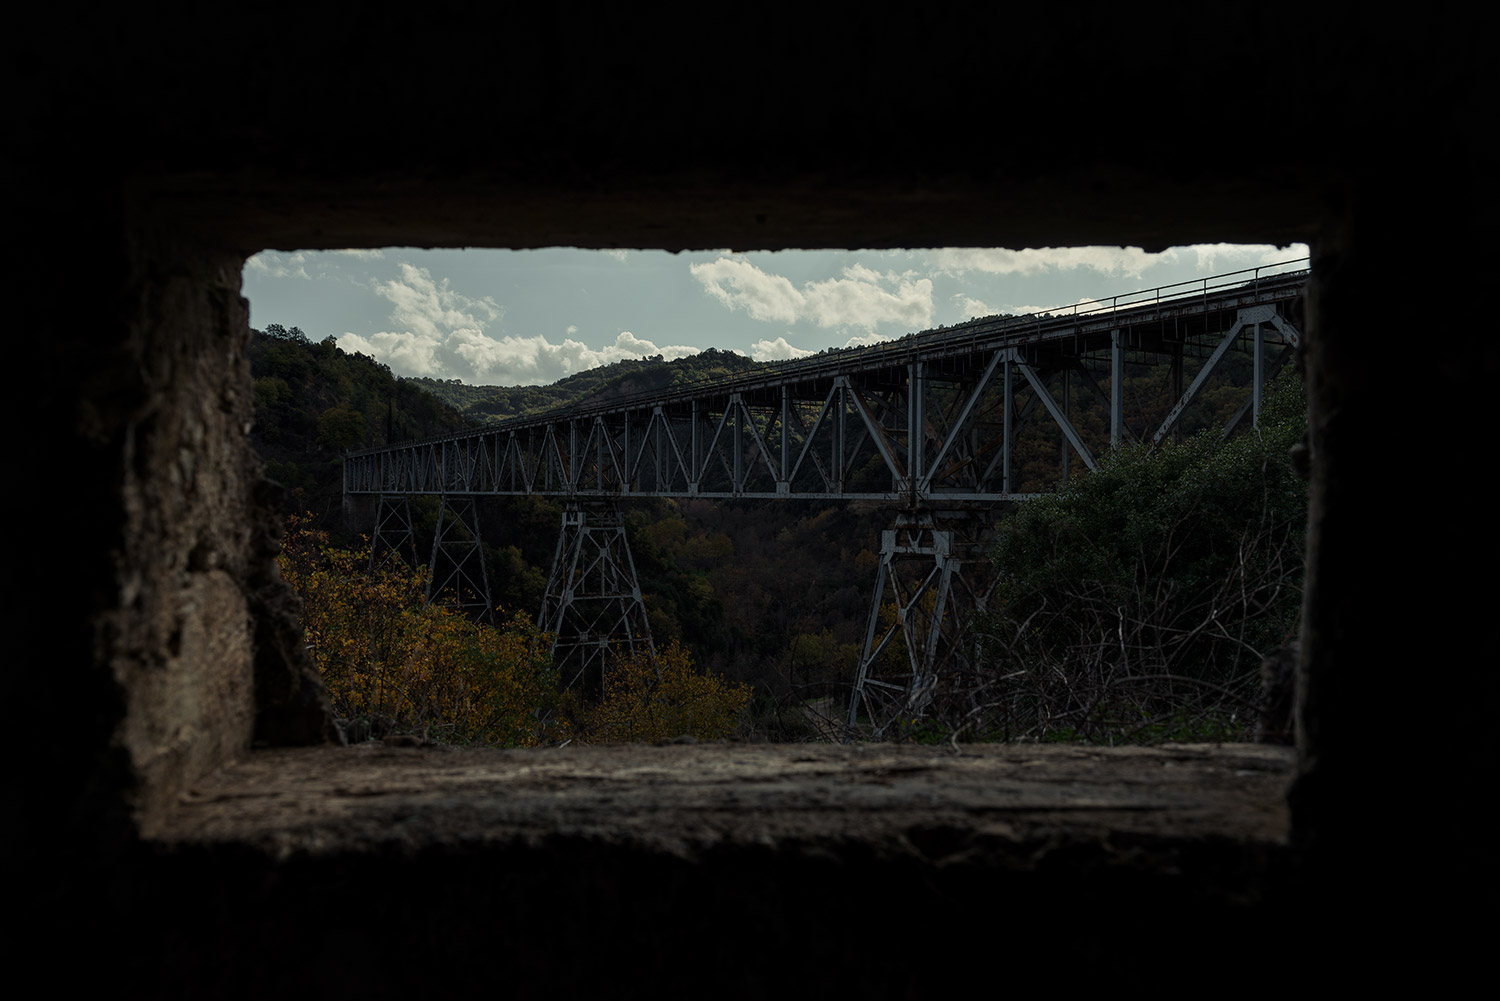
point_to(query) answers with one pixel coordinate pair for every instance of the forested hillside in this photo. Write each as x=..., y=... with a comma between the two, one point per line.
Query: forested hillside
x=314, y=401
x=608, y=382
x=392, y=661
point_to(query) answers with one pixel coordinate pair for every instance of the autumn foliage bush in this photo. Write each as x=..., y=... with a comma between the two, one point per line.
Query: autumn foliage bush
x=383, y=651
x=650, y=699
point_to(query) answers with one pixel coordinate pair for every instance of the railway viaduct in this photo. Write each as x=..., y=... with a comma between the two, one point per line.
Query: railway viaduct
x=149, y=154
x=927, y=426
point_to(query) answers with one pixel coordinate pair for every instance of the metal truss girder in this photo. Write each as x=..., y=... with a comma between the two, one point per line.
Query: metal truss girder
x=699, y=471
x=1010, y=420
x=1282, y=324
x=961, y=423
x=633, y=469
x=689, y=477
x=1099, y=394
x=518, y=463
x=1276, y=366
x=1253, y=316
x=878, y=435
x=1061, y=419
x=762, y=451
x=608, y=451
x=582, y=451
x=551, y=458
x=1203, y=373
x=810, y=436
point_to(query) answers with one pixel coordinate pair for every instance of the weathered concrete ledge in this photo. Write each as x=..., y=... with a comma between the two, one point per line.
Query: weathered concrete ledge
x=691, y=798
x=717, y=870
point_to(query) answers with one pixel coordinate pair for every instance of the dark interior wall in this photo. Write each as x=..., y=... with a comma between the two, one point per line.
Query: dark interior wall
x=146, y=553
x=542, y=126
x=146, y=159
x=1398, y=675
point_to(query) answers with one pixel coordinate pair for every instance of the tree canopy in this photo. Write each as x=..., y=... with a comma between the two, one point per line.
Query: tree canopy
x=1154, y=584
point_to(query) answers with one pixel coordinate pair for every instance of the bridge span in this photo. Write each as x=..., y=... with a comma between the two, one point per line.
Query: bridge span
x=928, y=424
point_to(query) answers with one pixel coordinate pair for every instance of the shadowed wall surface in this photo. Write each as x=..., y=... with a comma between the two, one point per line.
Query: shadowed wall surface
x=147, y=159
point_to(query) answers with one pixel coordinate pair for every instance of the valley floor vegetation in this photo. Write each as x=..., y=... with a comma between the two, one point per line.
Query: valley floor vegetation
x=1136, y=604
x=386, y=653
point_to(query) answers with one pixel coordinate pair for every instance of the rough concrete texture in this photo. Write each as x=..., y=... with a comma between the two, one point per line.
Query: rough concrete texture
x=686, y=800
x=183, y=615
x=179, y=572
x=724, y=870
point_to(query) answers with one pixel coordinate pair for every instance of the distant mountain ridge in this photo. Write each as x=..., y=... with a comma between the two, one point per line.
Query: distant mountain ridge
x=491, y=404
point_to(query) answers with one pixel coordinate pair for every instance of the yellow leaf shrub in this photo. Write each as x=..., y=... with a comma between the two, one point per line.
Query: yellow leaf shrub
x=382, y=650
x=651, y=699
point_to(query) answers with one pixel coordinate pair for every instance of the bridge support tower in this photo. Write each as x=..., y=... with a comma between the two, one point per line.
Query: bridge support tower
x=394, y=537
x=920, y=624
x=593, y=608
x=459, y=576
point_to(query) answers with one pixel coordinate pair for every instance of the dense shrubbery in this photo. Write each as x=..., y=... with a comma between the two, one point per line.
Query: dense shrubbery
x=383, y=651
x=1137, y=602
x=652, y=699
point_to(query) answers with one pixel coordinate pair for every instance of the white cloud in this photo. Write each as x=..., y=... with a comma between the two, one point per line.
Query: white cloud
x=739, y=284
x=512, y=360
x=1106, y=260
x=431, y=307
x=777, y=350
x=1127, y=262
x=361, y=254
x=440, y=332
x=969, y=307
x=1275, y=255
x=865, y=340
x=1221, y=257
x=405, y=352
x=860, y=298
x=480, y=359
x=274, y=264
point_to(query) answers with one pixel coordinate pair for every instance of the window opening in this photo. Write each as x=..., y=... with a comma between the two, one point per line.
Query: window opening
x=822, y=531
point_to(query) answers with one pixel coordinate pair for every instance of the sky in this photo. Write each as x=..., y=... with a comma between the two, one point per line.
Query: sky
x=531, y=317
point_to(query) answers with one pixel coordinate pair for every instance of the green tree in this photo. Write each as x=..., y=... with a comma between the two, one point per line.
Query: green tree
x=341, y=427
x=1148, y=591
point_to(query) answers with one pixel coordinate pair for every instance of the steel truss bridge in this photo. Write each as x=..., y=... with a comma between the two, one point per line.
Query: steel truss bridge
x=932, y=425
